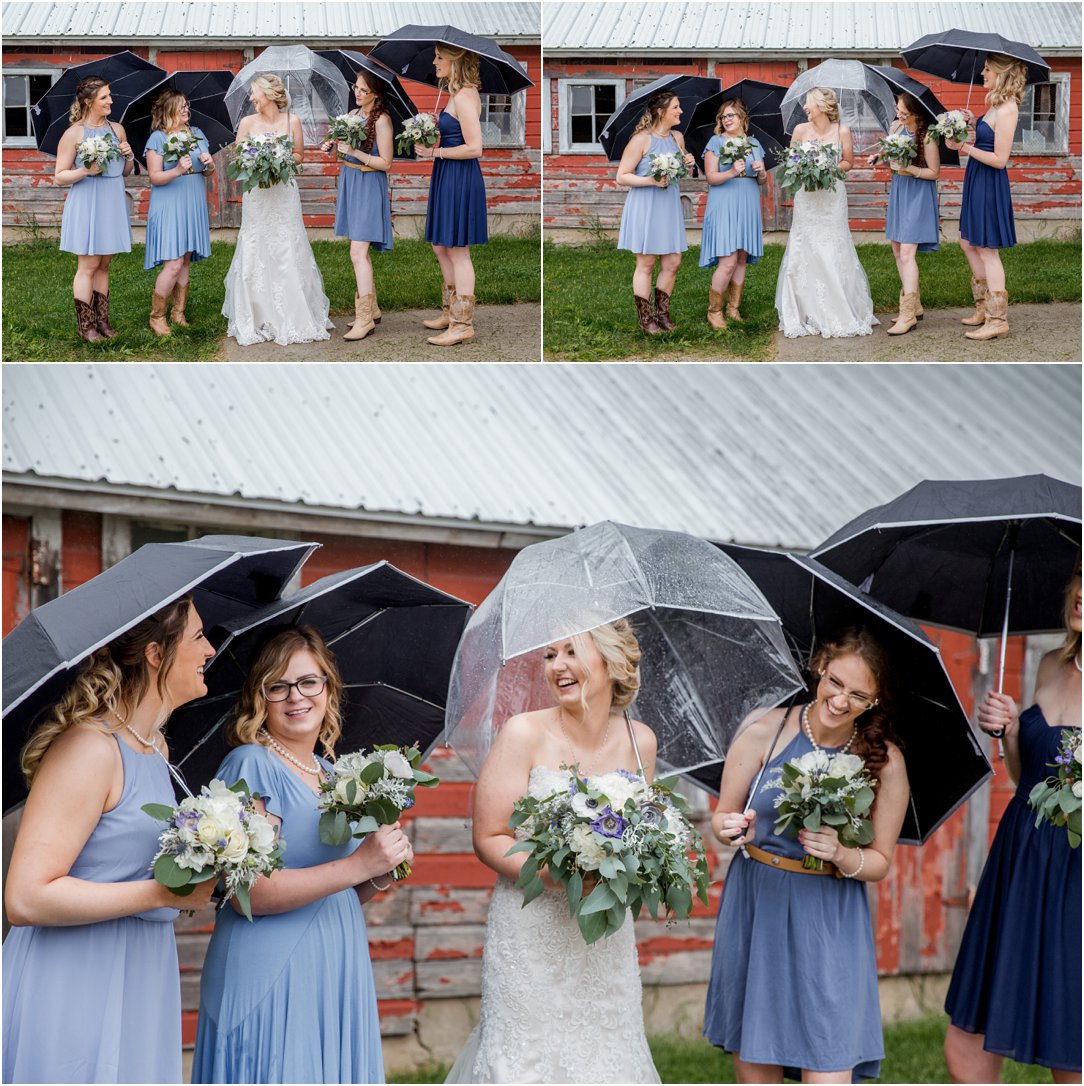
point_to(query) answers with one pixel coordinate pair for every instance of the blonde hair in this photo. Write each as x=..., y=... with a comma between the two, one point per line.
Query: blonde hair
x=1012, y=77
x=115, y=679
x=166, y=111
x=270, y=665
x=825, y=97
x=617, y=645
x=1071, y=649
x=466, y=68
x=657, y=105
x=85, y=93
x=739, y=108
x=273, y=87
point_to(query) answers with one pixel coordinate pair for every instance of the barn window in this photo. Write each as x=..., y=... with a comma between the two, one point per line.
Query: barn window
x=22, y=89
x=584, y=108
x=504, y=120
x=1043, y=127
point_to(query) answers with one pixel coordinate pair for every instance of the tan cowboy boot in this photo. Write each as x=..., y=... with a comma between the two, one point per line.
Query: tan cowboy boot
x=733, y=300
x=646, y=316
x=100, y=303
x=363, y=318
x=447, y=296
x=662, y=311
x=85, y=324
x=997, y=317
x=978, y=292
x=906, y=319
x=462, y=327
x=179, y=298
x=919, y=311
x=715, y=310
x=158, y=323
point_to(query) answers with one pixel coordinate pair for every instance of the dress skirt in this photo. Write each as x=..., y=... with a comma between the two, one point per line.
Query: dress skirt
x=986, y=217
x=95, y=219
x=177, y=221
x=456, y=215
x=732, y=218
x=912, y=212
x=363, y=208
x=652, y=221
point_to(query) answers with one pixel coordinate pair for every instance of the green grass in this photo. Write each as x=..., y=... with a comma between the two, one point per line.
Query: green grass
x=39, y=319
x=912, y=1054
x=590, y=315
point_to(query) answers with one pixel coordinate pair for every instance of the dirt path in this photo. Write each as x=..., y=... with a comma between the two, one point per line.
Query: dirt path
x=503, y=333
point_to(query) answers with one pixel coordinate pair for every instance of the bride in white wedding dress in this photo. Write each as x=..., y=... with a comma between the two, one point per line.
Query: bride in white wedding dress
x=553, y=1008
x=822, y=288
x=274, y=290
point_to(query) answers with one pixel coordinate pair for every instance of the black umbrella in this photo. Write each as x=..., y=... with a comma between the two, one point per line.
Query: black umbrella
x=945, y=763
x=409, y=52
x=691, y=90
x=129, y=77
x=901, y=83
x=227, y=575
x=205, y=92
x=958, y=55
x=394, y=638
x=761, y=100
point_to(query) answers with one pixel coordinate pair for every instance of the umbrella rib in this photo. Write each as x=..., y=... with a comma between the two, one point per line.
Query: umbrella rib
x=358, y=625
x=397, y=689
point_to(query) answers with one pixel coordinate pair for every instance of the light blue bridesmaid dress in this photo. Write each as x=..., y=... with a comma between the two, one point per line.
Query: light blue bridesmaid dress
x=100, y=1002
x=363, y=207
x=732, y=218
x=95, y=220
x=652, y=220
x=289, y=997
x=177, y=219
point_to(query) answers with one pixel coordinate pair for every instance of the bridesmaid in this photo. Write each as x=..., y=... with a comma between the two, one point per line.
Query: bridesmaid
x=456, y=218
x=986, y=217
x=95, y=223
x=1015, y=990
x=912, y=225
x=733, y=234
x=290, y=996
x=91, y=984
x=363, y=210
x=652, y=222
x=178, y=227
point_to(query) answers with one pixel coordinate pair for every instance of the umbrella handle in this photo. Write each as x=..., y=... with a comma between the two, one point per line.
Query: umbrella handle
x=768, y=757
x=1004, y=639
x=635, y=746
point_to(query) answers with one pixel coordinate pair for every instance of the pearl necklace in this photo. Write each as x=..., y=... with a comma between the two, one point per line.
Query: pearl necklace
x=808, y=729
x=152, y=742
x=279, y=749
x=598, y=750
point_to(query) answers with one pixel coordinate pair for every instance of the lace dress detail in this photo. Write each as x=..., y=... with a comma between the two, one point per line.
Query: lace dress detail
x=274, y=290
x=553, y=1008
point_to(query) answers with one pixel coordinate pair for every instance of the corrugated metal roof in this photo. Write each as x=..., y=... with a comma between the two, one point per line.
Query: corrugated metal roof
x=816, y=29
x=768, y=455
x=136, y=23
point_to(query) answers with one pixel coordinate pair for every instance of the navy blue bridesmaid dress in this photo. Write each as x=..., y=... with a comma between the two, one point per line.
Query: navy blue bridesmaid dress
x=986, y=216
x=457, y=195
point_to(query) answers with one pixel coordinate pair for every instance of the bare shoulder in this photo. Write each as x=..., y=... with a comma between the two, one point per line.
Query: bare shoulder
x=245, y=126
x=118, y=128
x=679, y=138
x=844, y=130
x=523, y=728
x=801, y=132
x=896, y=765
x=470, y=97
x=645, y=738
x=384, y=121
x=1049, y=666
x=88, y=748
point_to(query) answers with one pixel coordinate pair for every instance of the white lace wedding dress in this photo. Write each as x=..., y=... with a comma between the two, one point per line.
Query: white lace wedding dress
x=822, y=288
x=274, y=290
x=553, y=1008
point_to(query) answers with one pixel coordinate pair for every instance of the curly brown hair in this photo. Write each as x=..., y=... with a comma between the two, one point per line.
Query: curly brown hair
x=656, y=106
x=85, y=93
x=378, y=108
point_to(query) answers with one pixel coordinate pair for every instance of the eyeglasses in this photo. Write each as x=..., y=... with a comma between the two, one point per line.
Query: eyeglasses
x=730, y=116
x=309, y=686
x=861, y=702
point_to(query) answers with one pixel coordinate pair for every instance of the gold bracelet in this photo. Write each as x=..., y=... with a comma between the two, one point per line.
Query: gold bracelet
x=378, y=888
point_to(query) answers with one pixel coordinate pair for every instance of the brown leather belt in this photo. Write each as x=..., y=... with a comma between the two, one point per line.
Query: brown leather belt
x=359, y=166
x=785, y=864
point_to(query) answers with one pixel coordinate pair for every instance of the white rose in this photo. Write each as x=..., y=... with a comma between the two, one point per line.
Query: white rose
x=844, y=765
x=588, y=851
x=1076, y=753
x=209, y=832
x=261, y=835
x=619, y=790
x=342, y=795
x=398, y=766
x=1078, y=790
x=194, y=859
x=236, y=846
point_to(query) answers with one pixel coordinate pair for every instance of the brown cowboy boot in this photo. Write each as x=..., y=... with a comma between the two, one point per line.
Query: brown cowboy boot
x=906, y=319
x=363, y=318
x=978, y=292
x=462, y=327
x=447, y=296
x=997, y=317
x=733, y=300
x=178, y=297
x=715, y=310
x=157, y=322
x=85, y=323
x=100, y=304
x=662, y=311
x=646, y=316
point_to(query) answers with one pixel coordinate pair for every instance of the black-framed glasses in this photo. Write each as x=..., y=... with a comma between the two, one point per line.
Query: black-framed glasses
x=308, y=686
x=861, y=702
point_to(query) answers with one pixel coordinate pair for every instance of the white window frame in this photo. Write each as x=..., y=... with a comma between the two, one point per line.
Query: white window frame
x=28, y=140
x=518, y=136
x=1061, y=118
x=547, y=117
x=564, y=98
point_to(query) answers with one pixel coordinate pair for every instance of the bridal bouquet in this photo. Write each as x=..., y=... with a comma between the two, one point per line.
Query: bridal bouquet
x=262, y=160
x=734, y=148
x=629, y=839
x=349, y=129
x=421, y=128
x=179, y=144
x=897, y=149
x=98, y=150
x=668, y=165
x=366, y=791
x=1058, y=799
x=821, y=789
x=217, y=834
x=810, y=165
x=950, y=126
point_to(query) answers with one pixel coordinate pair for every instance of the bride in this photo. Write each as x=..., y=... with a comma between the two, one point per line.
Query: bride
x=274, y=290
x=822, y=288
x=553, y=1008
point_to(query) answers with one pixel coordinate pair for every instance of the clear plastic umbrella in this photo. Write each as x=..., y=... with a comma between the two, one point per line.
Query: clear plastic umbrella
x=866, y=104
x=316, y=89
x=713, y=650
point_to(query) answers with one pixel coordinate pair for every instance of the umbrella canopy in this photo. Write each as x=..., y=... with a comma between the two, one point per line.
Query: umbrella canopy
x=227, y=575
x=940, y=553
x=316, y=89
x=958, y=55
x=409, y=51
x=691, y=90
x=206, y=94
x=945, y=762
x=129, y=77
x=393, y=636
x=901, y=83
x=762, y=101
x=712, y=650
x=866, y=105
